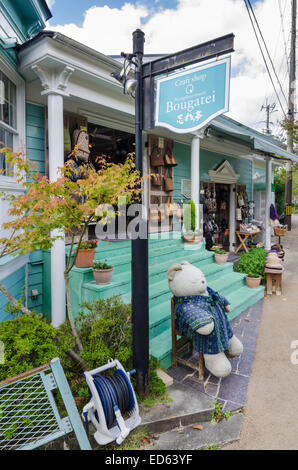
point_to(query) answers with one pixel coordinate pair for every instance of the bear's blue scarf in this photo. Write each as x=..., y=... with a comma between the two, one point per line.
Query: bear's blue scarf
x=193, y=312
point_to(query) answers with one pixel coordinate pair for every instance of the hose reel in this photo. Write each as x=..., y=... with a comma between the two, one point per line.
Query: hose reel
x=113, y=408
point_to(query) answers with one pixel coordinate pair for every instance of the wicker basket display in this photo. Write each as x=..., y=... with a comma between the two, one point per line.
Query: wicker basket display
x=280, y=232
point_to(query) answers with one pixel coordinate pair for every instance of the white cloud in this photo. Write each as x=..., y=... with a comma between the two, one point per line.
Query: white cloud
x=51, y=3
x=109, y=30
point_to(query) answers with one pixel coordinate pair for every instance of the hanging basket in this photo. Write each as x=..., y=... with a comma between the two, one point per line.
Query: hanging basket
x=280, y=232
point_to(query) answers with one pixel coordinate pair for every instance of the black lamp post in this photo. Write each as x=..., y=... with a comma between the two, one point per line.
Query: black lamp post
x=139, y=266
x=139, y=258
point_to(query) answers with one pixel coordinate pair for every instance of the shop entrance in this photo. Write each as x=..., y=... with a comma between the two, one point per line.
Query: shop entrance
x=216, y=210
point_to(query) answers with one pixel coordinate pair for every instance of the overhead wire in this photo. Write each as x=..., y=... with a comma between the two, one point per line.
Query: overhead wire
x=266, y=48
x=261, y=50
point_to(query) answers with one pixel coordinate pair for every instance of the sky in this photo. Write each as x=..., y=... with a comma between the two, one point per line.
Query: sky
x=172, y=25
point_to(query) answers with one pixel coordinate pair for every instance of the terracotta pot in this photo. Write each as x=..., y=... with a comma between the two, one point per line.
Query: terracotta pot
x=253, y=282
x=221, y=259
x=103, y=276
x=192, y=238
x=85, y=258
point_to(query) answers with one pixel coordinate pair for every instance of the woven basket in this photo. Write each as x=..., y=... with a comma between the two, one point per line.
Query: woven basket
x=280, y=232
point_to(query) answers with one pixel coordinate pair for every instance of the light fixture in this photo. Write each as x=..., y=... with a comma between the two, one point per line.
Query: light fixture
x=34, y=294
x=129, y=84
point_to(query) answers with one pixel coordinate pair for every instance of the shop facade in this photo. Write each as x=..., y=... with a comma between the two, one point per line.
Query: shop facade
x=69, y=90
x=18, y=24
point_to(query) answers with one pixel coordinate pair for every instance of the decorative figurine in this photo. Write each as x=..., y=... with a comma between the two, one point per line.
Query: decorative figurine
x=200, y=314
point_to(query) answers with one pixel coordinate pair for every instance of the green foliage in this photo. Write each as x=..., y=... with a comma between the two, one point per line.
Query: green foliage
x=105, y=332
x=105, y=329
x=157, y=387
x=279, y=184
x=30, y=342
x=101, y=265
x=253, y=262
x=218, y=414
x=220, y=252
x=88, y=245
x=253, y=275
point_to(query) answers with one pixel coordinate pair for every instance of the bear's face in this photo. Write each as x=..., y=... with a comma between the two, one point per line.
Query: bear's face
x=185, y=280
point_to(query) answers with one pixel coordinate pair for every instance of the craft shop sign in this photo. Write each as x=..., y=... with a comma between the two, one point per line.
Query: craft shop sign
x=188, y=100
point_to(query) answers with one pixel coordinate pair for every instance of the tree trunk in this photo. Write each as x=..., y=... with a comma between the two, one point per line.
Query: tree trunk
x=14, y=301
x=70, y=317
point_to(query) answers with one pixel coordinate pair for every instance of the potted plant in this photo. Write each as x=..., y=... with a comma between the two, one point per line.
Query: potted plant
x=189, y=228
x=85, y=254
x=102, y=273
x=221, y=256
x=253, y=280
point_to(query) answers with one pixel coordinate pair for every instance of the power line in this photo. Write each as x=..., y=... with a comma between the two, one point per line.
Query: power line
x=266, y=48
x=265, y=62
x=283, y=32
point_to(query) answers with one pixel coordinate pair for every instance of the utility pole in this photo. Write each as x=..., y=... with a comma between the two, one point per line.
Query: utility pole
x=269, y=108
x=291, y=116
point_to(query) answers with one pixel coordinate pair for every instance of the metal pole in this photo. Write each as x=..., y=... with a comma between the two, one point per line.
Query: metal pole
x=139, y=264
x=290, y=146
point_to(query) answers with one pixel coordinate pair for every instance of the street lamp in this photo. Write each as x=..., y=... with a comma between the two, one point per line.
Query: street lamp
x=129, y=84
x=139, y=255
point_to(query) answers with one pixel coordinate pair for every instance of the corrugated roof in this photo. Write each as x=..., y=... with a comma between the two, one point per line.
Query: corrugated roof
x=259, y=142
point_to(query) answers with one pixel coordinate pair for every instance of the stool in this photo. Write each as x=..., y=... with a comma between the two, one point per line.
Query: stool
x=185, y=343
x=273, y=277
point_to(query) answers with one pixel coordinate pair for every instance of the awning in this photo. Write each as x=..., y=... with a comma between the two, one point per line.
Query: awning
x=257, y=141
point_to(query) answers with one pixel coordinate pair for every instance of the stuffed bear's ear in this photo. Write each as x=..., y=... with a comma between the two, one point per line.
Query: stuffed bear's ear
x=172, y=271
x=184, y=263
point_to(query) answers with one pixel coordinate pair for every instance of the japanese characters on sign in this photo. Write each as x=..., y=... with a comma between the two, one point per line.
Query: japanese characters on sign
x=188, y=100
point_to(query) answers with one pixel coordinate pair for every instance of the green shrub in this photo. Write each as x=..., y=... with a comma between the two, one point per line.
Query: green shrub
x=106, y=333
x=30, y=342
x=189, y=217
x=253, y=262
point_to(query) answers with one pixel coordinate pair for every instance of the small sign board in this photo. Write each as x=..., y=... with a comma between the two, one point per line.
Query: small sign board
x=186, y=101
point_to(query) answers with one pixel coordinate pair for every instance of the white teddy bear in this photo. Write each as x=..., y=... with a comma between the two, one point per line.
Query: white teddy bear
x=197, y=305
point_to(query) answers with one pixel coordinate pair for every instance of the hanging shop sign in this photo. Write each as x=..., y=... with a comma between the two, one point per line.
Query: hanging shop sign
x=186, y=101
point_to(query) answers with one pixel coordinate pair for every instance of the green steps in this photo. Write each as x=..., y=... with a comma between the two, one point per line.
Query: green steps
x=244, y=298
x=162, y=254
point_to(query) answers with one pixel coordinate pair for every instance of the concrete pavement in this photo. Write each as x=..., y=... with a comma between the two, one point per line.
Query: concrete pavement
x=271, y=411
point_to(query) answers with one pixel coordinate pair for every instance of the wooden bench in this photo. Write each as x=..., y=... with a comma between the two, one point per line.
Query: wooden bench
x=182, y=345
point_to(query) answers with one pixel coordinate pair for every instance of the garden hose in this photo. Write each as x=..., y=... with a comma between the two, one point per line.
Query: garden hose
x=115, y=393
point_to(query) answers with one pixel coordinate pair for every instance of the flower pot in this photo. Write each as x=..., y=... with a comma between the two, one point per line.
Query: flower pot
x=192, y=238
x=103, y=276
x=221, y=258
x=85, y=258
x=253, y=282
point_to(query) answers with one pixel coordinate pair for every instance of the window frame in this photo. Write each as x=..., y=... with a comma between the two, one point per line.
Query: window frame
x=19, y=133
